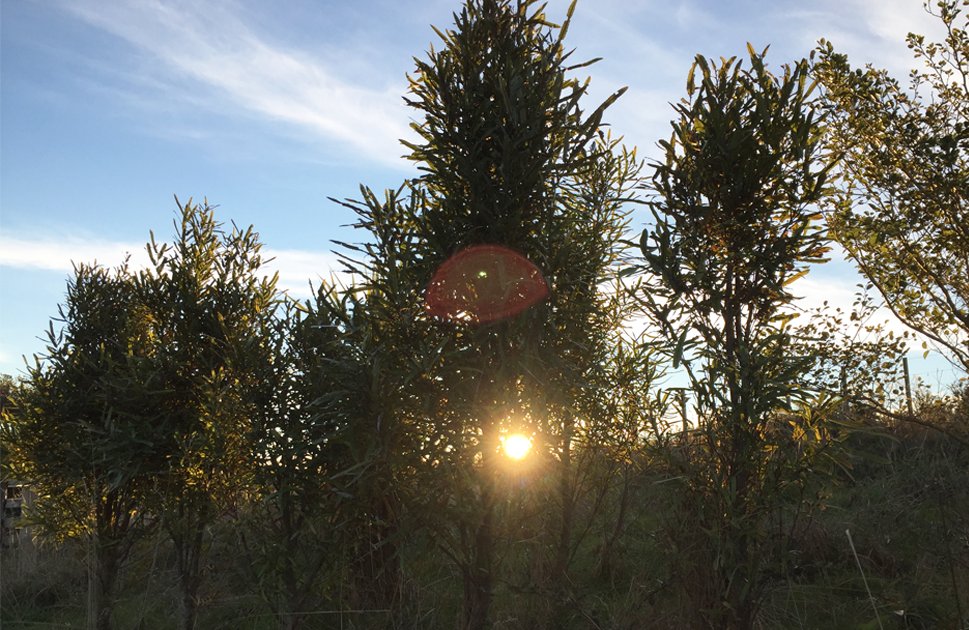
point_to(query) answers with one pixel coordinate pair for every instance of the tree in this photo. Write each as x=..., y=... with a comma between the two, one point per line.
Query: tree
x=387, y=367
x=211, y=314
x=284, y=530
x=325, y=437
x=511, y=159
x=735, y=223
x=8, y=421
x=292, y=531
x=903, y=215
x=142, y=403
x=86, y=432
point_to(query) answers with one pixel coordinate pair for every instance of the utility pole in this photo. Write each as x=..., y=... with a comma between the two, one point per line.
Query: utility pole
x=908, y=387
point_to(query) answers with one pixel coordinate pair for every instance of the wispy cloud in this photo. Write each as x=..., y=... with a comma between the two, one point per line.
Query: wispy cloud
x=868, y=31
x=649, y=46
x=887, y=23
x=50, y=254
x=216, y=46
x=208, y=45
x=296, y=268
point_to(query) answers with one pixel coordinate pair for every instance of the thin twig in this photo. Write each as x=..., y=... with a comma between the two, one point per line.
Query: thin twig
x=863, y=579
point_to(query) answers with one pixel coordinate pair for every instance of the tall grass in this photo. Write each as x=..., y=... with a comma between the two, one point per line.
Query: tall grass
x=903, y=493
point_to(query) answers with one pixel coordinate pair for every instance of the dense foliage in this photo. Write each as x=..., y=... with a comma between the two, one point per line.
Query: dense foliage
x=904, y=212
x=735, y=223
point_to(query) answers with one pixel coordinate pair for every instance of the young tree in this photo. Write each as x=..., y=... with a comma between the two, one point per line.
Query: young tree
x=735, y=222
x=85, y=434
x=509, y=159
x=9, y=414
x=298, y=448
x=325, y=437
x=904, y=185
x=283, y=531
x=387, y=369
x=210, y=313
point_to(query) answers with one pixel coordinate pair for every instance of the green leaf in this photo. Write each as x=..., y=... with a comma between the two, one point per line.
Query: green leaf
x=678, y=350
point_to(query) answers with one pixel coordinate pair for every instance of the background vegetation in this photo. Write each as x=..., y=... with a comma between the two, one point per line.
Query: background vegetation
x=207, y=453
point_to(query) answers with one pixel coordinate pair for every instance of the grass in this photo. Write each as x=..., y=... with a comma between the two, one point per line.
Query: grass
x=905, y=498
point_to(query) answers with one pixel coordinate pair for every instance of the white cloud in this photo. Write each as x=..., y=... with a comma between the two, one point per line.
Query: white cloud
x=296, y=268
x=868, y=31
x=49, y=254
x=816, y=291
x=208, y=44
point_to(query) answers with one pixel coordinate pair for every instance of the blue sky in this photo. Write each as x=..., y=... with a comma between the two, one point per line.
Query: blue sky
x=109, y=109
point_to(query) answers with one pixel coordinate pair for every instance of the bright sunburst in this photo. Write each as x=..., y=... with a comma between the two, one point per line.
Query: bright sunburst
x=516, y=446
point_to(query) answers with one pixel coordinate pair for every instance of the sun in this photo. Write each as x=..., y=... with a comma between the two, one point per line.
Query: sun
x=516, y=446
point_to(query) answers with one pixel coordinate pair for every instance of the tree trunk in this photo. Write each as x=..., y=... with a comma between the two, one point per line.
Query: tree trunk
x=563, y=550
x=102, y=573
x=478, y=587
x=109, y=546
x=291, y=606
x=606, y=555
x=290, y=621
x=291, y=617
x=377, y=572
x=188, y=552
x=740, y=581
x=478, y=574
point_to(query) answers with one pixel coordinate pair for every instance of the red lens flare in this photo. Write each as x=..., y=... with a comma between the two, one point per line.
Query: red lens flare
x=484, y=283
